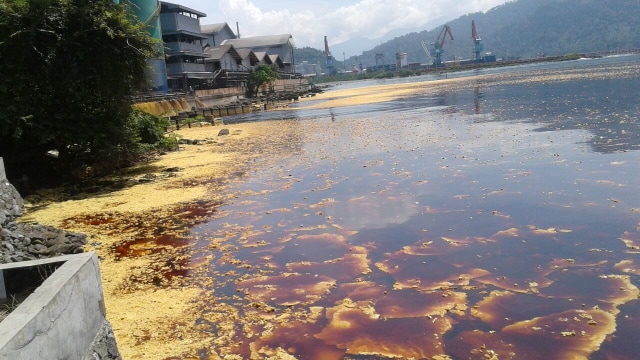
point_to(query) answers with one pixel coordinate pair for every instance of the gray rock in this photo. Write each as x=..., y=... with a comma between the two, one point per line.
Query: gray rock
x=30, y=241
x=104, y=346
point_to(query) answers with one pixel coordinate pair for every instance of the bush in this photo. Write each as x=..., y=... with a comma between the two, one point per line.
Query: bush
x=149, y=128
x=405, y=73
x=571, y=56
x=261, y=75
x=69, y=69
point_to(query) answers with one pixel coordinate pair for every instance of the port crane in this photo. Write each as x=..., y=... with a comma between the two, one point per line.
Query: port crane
x=477, y=42
x=439, y=44
x=426, y=51
x=330, y=61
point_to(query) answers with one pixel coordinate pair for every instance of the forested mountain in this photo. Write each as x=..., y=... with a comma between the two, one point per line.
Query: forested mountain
x=525, y=29
x=309, y=54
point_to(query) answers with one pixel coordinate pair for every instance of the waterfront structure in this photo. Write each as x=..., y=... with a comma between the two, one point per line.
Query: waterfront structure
x=249, y=58
x=309, y=69
x=217, y=33
x=225, y=63
x=183, y=46
x=275, y=59
x=401, y=60
x=266, y=59
x=280, y=45
x=196, y=56
x=222, y=57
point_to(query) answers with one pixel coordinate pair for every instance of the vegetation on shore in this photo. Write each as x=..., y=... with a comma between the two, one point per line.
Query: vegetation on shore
x=69, y=69
x=259, y=77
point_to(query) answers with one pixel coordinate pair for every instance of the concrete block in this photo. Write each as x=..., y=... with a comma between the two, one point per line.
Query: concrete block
x=61, y=318
x=3, y=174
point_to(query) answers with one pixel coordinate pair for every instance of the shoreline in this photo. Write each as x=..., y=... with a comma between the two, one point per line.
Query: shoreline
x=142, y=314
x=152, y=315
x=141, y=233
x=150, y=310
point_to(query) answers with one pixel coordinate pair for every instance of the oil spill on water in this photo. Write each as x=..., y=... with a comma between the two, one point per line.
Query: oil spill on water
x=450, y=228
x=149, y=246
x=463, y=234
x=162, y=237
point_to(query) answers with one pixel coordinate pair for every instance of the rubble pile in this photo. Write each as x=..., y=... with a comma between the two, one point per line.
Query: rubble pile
x=21, y=241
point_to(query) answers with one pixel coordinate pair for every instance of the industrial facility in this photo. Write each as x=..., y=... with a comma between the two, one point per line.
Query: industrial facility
x=477, y=48
x=200, y=57
x=330, y=60
x=439, y=45
x=434, y=52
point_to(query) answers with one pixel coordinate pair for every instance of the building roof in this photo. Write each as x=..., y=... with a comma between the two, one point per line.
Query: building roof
x=262, y=56
x=275, y=59
x=169, y=7
x=244, y=53
x=214, y=28
x=216, y=53
x=260, y=41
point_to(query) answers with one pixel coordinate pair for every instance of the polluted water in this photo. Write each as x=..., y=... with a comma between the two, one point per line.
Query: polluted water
x=494, y=214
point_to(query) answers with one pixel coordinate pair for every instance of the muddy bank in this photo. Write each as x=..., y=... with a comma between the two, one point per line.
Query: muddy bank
x=150, y=312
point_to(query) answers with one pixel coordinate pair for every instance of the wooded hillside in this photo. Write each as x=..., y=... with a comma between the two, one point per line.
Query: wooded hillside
x=525, y=29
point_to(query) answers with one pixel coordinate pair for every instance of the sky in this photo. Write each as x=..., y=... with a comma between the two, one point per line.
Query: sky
x=340, y=20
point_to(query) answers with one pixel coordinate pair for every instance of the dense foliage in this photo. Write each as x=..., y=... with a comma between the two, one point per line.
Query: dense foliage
x=68, y=69
x=259, y=77
x=310, y=55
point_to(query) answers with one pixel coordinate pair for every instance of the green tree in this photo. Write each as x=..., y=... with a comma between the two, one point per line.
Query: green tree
x=261, y=75
x=68, y=69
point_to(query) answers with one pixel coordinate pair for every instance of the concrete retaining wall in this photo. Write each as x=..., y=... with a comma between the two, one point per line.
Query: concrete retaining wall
x=61, y=318
x=3, y=175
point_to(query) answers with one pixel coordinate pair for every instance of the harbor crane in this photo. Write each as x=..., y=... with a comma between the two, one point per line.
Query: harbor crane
x=477, y=42
x=330, y=61
x=426, y=51
x=439, y=44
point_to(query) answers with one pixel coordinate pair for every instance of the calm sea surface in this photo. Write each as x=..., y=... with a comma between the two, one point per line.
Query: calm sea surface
x=495, y=218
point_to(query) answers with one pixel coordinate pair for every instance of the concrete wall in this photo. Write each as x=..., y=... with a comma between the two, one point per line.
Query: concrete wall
x=3, y=175
x=62, y=317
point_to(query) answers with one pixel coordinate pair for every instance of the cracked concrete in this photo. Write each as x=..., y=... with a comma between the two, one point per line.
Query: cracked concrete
x=63, y=318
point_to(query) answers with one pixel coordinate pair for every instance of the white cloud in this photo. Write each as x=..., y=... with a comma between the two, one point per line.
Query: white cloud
x=310, y=21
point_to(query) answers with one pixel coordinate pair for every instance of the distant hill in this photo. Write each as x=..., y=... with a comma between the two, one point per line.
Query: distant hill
x=525, y=29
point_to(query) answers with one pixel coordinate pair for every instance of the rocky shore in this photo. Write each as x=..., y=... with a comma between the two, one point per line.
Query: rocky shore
x=24, y=241
x=21, y=241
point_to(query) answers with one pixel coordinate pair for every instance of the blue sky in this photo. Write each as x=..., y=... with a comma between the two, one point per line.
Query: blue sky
x=309, y=21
